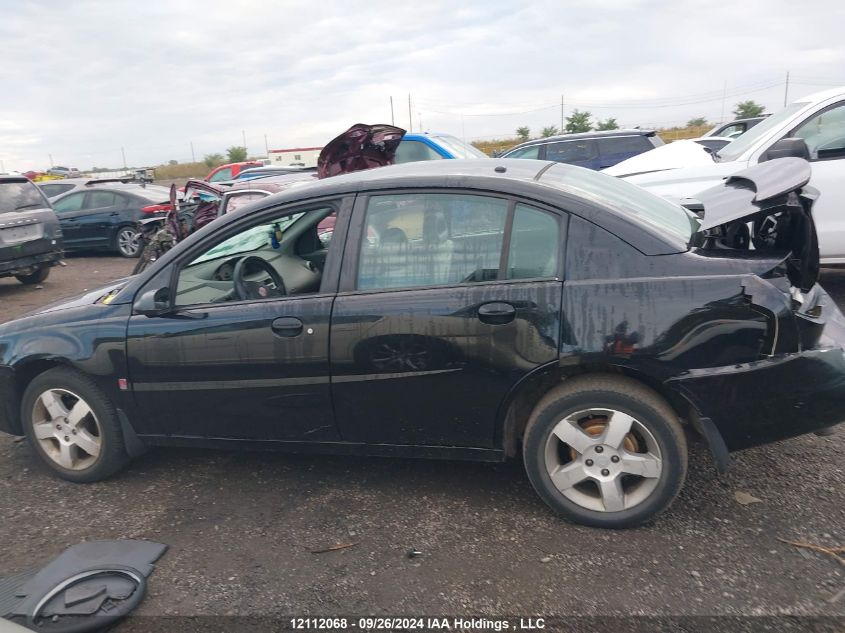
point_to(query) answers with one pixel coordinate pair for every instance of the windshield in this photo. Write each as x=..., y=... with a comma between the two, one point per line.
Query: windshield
x=17, y=196
x=624, y=198
x=735, y=149
x=250, y=240
x=458, y=148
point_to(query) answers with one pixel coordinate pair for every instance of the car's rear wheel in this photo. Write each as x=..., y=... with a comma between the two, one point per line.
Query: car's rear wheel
x=127, y=241
x=72, y=426
x=36, y=275
x=605, y=451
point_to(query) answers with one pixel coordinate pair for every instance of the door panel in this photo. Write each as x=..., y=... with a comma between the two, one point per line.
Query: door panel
x=437, y=318
x=68, y=209
x=226, y=371
x=255, y=369
x=422, y=366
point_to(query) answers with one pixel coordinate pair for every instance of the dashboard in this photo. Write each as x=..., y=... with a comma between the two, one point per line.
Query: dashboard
x=212, y=281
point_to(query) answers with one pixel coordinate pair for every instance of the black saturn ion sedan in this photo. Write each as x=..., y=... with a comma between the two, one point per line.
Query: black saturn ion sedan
x=472, y=309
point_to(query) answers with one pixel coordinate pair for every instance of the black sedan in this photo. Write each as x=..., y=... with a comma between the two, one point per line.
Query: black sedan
x=462, y=309
x=103, y=216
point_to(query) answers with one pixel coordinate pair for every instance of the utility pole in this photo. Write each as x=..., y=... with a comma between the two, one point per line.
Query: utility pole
x=124, y=157
x=561, y=114
x=51, y=159
x=786, y=89
x=2, y=167
x=243, y=132
x=266, y=146
x=419, y=118
x=410, y=117
x=724, y=98
x=392, y=120
x=193, y=157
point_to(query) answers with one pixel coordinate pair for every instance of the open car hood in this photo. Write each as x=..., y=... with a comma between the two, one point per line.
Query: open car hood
x=767, y=208
x=360, y=147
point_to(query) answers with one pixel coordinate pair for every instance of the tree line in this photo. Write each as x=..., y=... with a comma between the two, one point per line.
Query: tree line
x=581, y=121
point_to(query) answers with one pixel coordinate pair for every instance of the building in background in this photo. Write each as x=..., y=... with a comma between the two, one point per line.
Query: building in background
x=301, y=156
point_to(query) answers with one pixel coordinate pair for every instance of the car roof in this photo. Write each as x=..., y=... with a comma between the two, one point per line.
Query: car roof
x=126, y=187
x=822, y=95
x=584, y=135
x=512, y=177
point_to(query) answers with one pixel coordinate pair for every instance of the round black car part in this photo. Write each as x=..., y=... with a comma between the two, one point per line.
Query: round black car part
x=246, y=290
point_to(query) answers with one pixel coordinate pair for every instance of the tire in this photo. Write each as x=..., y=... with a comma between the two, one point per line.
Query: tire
x=41, y=273
x=47, y=430
x=127, y=242
x=595, y=485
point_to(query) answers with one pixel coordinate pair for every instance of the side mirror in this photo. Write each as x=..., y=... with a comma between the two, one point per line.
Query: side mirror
x=787, y=147
x=153, y=302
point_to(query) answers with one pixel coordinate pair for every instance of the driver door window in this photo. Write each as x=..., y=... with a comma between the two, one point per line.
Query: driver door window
x=825, y=134
x=260, y=261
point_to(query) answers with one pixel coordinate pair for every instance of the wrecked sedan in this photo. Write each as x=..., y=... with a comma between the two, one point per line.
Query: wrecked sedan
x=462, y=309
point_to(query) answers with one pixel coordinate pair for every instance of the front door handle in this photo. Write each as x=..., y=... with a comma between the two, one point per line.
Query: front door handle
x=287, y=326
x=496, y=313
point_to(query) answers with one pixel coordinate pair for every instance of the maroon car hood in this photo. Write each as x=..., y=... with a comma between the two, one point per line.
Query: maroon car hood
x=360, y=147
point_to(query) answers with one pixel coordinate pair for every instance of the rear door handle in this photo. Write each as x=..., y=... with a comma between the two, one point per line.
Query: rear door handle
x=287, y=326
x=496, y=313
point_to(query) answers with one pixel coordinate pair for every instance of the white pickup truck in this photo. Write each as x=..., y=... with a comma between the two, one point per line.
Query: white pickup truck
x=818, y=119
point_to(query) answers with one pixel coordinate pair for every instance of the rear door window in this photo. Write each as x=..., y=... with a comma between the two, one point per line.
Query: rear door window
x=100, y=199
x=575, y=151
x=431, y=239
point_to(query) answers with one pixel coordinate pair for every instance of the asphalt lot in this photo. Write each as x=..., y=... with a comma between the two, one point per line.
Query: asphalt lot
x=241, y=526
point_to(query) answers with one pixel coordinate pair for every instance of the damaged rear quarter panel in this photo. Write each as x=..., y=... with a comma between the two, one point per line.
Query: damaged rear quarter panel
x=716, y=335
x=659, y=314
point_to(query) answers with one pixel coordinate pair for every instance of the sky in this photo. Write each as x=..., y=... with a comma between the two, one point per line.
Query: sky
x=85, y=83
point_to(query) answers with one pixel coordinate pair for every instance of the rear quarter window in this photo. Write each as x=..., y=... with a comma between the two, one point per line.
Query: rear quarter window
x=616, y=145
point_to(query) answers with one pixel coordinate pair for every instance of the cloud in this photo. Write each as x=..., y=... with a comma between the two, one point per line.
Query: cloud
x=90, y=78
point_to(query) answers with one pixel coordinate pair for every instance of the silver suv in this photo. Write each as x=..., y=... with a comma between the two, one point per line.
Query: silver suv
x=30, y=236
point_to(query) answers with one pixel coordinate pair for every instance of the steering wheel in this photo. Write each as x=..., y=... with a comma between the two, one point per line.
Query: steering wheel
x=245, y=289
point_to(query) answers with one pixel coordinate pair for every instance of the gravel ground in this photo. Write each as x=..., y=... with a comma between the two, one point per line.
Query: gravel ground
x=241, y=527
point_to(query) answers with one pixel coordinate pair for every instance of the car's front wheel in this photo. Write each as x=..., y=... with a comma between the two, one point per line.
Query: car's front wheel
x=605, y=451
x=72, y=426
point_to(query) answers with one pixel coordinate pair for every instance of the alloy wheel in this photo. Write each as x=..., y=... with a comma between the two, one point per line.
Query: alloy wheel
x=603, y=460
x=127, y=242
x=66, y=428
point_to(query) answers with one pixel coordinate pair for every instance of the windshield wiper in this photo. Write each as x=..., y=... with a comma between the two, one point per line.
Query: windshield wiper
x=26, y=206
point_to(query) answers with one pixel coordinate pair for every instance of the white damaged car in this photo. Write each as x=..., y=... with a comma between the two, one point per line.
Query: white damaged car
x=812, y=127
